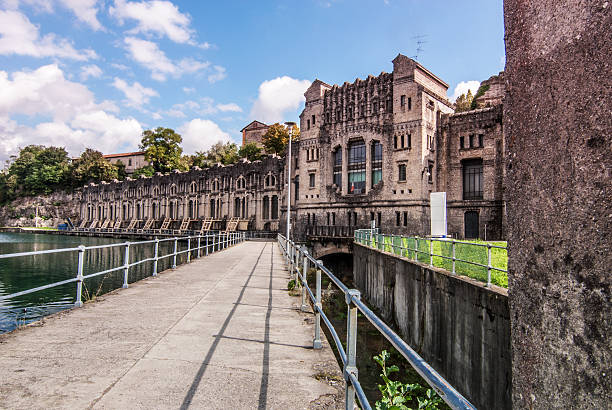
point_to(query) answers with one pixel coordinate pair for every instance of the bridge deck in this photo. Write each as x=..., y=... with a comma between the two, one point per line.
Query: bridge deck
x=220, y=332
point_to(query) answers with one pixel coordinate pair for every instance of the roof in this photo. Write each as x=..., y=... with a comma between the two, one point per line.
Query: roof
x=254, y=122
x=124, y=154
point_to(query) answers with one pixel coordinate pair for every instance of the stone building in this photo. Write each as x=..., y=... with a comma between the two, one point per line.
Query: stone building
x=246, y=190
x=131, y=160
x=374, y=149
x=254, y=132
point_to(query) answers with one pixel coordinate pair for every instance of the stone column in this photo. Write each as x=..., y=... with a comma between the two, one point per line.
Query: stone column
x=558, y=133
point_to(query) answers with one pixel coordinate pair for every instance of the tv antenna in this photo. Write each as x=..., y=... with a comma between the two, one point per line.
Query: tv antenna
x=420, y=40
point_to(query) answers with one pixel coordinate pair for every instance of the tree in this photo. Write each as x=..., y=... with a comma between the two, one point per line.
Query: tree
x=39, y=169
x=121, y=172
x=162, y=148
x=224, y=153
x=147, y=171
x=275, y=140
x=479, y=93
x=464, y=102
x=250, y=151
x=92, y=167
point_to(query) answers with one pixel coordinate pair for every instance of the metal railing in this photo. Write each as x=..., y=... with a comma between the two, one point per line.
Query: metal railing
x=331, y=231
x=422, y=250
x=210, y=244
x=296, y=256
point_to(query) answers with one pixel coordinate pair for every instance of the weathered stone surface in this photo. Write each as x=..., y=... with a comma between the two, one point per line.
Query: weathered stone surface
x=460, y=327
x=53, y=209
x=559, y=137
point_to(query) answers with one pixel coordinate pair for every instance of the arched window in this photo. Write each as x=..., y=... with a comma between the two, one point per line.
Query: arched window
x=266, y=208
x=376, y=159
x=153, y=210
x=212, y=208
x=357, y=167
x=274, y=207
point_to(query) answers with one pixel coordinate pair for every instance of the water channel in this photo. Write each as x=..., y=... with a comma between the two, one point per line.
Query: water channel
x=26, y=272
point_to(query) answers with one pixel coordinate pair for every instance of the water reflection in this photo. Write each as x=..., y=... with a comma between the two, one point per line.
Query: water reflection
x=21, y=273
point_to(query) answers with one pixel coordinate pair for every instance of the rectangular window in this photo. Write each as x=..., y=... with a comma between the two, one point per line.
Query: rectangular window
x=401, y=172
x=313, y=120
x=461, y=142
x=402, y=100
x=397, y=218
x=405, y=218
x=472, y=141
x=409, y=103
x=402, y=141
x=307, y=124
x=328, y=218
x=430, y=172
x=395, y=142
x=376, y=162
x=311, y=180
x=480, y=140
x=357, y=168
x=409, y=141
x=379, y=219
x=472, y=179
x=338, y=167
x=333, y=218
x=371, y=216
x=308, y=218
x=375, y=107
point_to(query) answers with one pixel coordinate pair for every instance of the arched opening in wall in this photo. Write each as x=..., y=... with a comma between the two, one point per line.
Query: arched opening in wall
x=171, y=210
x=138, y=211
x=191, y=210
x=243, y=215
x=154, y=210
x=341, y=265
x=274, y=207
x=471, y=225
x=212, y=208
x=124, y=212
x=99, y=212
x=237, y=207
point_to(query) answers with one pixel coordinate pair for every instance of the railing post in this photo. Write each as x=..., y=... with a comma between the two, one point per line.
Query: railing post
x=126, y=264
x=489, y=265
x=430, y=251
x=206, y=250
x=304, y=307
x=199, y=237
x=351, y=347
x=189, y=249
x=175, y=249
x=78, y=302
x=416, y=248
x=316, y=343
x=453, y=246
x=156, y=257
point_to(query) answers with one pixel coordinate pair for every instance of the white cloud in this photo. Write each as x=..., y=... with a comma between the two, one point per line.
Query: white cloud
x=66, y=113
x=136, y=94
x=90, y=71
x=200, y=135
x=278, y=96
x=218, y=75
x=148, y=54
x=161, y=18
x=188, y=90
x=118, y=66
x=19, y=36
x=40, y=5
x=463, y=87
x=231, y=107
x=85, y=10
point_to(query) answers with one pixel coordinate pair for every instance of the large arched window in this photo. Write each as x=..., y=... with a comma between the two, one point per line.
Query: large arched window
x=266, y=208
x=274, y=207
x=376, y=162
x=357, y=167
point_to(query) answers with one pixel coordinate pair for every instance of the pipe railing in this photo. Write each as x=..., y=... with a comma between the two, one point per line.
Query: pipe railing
x=412, y=247
x=293, y=256
x=217, y=242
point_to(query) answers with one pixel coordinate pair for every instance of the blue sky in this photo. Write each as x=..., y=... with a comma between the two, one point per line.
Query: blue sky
x=96, y=73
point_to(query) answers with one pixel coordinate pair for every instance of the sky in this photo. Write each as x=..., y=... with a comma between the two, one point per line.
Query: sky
x=96, y=73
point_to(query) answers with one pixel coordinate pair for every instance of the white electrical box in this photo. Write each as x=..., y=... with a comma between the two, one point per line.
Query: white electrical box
x=437, y=203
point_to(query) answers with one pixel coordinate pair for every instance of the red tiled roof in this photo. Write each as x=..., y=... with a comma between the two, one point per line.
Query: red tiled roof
x=124, y=154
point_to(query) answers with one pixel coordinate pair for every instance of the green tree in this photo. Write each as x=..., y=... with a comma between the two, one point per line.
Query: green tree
x=275, y=140
x=92, y=167
x=147, y=171
x=162, y=148
x=464, y=102
x=39, y=169
x=250, y=151
x=121, y=172
x=481, y=91
x=224, y=153
x=200, y=159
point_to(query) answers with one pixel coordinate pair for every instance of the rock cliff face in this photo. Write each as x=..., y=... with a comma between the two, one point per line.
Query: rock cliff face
x=53, y=209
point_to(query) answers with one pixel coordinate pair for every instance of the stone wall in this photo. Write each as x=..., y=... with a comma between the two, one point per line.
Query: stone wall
x=460, y=327
x=559, y=136
x=53, y=209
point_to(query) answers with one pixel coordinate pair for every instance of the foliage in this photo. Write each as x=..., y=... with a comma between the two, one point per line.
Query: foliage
x=162, y=148
x=275, y=140
x=250, y=151
x=481, y=91
x=224, y=153
x=147, y=171
x=291, y=285
x=464, y=102
x=395, y=393
x=121, y=172
x=92, y=167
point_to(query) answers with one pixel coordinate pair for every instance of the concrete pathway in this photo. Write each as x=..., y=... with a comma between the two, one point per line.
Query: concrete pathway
x=219, y=333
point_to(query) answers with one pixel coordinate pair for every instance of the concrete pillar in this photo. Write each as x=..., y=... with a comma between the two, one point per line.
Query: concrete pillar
x=558, y=133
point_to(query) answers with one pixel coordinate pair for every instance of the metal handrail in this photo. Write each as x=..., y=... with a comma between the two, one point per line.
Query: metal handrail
x=294, y=255
x=378, y=241
x=220, y=241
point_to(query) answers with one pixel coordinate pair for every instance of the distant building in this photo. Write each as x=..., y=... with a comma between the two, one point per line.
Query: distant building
x=254, y=132
x=131, y=160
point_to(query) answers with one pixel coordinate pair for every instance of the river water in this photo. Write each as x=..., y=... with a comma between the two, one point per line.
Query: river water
x=26, y=272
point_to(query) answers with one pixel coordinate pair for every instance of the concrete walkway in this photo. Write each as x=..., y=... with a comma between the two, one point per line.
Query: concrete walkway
x=219, y=333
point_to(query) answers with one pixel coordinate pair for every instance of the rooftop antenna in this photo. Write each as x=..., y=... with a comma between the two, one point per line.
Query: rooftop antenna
x=420, y=40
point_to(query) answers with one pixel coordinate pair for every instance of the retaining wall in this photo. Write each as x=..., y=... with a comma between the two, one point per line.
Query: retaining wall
x=460, y=327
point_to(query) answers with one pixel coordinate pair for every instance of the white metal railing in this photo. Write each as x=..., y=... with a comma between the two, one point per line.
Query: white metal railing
x=421, y=250
x=296, y=256
x=210, y=244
